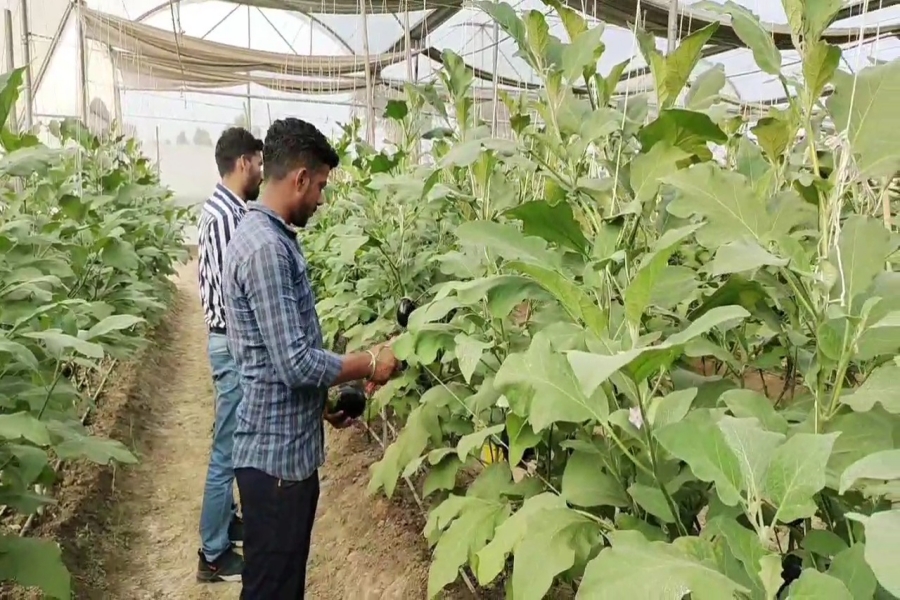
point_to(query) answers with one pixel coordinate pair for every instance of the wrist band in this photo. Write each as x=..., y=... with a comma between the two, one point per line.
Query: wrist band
x=372, y=364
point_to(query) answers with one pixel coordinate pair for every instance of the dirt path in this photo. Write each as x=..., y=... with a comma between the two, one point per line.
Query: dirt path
x=365, y=549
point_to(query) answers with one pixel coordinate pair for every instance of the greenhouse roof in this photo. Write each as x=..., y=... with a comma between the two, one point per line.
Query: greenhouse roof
x=320, y=47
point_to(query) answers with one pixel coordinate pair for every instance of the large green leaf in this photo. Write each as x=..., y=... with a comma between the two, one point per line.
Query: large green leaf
x=58, y=343
x=705, y=89
x=23, y=425
x=585, y=483
x=671, y=72
x=809, y=19
x=581, y=307
x=701, y=444
x=881, y=466
x=862, y=250
x=636, y=568
x=861, y=434
x=593, y=369
x=648, y=169
x=554, y=222
x=745, y=403
x=34, y=563
x=849, y=565
x=796, y=473
x=551, y=545
x=740, y=256
x=882, y=533
x=10, y=83
x=508, y=242
x=813, y=585
x=751, y=32
x=558, y=397
x=468, y=523
x=110, y=324
x=727, y=201
x=640, y=290
x=754, y=448
x=881, y=387
x=582, y=53
x=491, y=560
x=864, y=105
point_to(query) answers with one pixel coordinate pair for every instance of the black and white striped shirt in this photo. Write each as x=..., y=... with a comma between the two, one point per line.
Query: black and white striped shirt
x=220, y=215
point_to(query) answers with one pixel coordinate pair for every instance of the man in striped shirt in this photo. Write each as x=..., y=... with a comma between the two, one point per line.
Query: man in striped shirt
x=239, y=161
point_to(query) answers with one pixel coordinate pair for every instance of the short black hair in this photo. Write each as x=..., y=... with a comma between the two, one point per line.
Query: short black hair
x=234, y=143
x=292, y=143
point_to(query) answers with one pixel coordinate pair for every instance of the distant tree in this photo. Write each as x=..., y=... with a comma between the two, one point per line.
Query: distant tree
x=202, y=138
x=181, y=140
x=241, y=121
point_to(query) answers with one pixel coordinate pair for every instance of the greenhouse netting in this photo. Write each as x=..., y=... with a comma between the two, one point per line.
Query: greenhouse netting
x=175, y=74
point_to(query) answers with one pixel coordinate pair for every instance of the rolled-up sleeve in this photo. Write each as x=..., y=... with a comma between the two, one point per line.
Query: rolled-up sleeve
x=275, y=302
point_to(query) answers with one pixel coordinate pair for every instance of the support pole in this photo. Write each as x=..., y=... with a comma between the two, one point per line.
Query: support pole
x=370, y=96
x=672, y=26
x=496, y=90
x=82, y=65
x=117, y=91
x=13, y=122
x=249, y=46
x=27, y=90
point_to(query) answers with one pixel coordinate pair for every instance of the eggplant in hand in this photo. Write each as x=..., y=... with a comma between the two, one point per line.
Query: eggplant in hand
x=352, y=402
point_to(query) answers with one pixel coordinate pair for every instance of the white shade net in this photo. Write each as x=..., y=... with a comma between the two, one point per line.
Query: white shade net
x=177, y=73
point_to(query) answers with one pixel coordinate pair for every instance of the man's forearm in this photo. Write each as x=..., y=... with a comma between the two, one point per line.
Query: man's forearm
x=354, y=367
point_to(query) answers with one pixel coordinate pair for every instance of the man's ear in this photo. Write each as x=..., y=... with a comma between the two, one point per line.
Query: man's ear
x=301, y=178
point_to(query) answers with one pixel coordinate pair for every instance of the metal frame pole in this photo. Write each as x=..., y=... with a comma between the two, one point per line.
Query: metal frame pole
x=672, y=28
x=28, y=89
x=117, y=90
x=249, y=90
x=82, y=64
x=370, y=96
x=496, y=91
x=13, y=118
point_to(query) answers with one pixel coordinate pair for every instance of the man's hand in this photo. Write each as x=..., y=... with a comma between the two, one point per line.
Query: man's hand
x=386, y=364
x=337, y=419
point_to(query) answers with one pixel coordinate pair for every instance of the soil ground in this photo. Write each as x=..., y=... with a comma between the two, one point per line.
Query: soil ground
x=132, y=534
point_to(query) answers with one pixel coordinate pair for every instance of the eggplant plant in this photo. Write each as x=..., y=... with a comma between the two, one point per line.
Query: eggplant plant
x=88, y=242
x=687, y=317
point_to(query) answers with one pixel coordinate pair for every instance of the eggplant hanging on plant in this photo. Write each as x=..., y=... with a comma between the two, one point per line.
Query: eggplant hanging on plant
x=352, y=402
x=791, y=569
x=404, y=309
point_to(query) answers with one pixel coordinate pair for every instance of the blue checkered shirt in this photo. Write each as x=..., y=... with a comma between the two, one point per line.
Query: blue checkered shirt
x=275, y=338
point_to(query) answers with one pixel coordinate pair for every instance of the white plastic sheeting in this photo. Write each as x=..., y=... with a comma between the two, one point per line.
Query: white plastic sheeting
x=177, y=124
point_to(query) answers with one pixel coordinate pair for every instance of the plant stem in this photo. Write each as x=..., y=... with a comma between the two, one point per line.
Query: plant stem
x=840, y=373
x=654, y=460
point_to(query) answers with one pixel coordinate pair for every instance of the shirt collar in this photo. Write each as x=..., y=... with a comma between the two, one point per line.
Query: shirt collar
x=221, y=187
x=282, y=224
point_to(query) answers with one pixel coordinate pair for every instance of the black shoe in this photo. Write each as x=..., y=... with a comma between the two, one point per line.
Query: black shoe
x=227, y=567
x=236, y=532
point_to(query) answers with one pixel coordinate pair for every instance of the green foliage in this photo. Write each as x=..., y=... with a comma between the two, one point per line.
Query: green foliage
x=697, y=350
x=89, y=240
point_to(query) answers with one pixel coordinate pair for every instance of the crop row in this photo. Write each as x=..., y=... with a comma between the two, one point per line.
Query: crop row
x=88, y=240
x=675, y=322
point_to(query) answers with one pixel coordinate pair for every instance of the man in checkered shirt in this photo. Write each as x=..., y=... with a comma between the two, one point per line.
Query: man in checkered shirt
x=274, y=334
